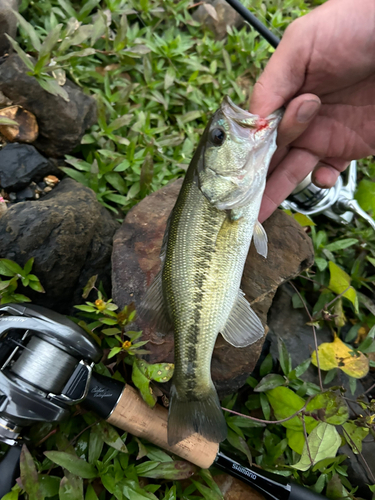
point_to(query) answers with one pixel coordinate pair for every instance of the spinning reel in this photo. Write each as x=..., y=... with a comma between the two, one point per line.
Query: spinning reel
x=337, y=203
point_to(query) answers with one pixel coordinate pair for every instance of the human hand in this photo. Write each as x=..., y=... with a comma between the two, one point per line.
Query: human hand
x=323, y=71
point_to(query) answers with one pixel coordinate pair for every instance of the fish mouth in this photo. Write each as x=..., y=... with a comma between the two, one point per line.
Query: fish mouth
x=248, y=120
x=262, y=128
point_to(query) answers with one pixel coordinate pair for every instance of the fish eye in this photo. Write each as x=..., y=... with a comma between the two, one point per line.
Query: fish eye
x=217, y=136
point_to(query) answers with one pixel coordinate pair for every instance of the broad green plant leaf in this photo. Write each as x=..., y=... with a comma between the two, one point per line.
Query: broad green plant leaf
x=285, y=403
x=73, y=464
x=296, y=440
x=354, y=436
x=323, y=442
x=71, y=487
x=176, y=470
x=29, y=475
x=330, y=406
x=339, y=281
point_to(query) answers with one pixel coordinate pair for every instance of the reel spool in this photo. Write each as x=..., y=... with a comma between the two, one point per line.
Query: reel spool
x=46, y=365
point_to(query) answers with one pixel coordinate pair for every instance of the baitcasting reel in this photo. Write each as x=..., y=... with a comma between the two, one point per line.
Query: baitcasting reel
x=337, y=203
x=46, y=365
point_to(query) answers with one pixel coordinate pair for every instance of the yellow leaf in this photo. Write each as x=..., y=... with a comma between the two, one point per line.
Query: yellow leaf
x=336, y=354
x=339, y=281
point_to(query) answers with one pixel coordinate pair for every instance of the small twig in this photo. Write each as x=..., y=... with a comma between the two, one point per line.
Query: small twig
x=332, y=302
x=270, y=421
x=314, y=333
x=307, y=443
x=371, y=475
x=370, y=389
x=46, y=437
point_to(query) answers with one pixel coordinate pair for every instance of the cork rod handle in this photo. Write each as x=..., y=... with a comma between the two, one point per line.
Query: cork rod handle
x=133, y=415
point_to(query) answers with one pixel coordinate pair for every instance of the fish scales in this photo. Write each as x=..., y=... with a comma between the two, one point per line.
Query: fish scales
x=197, y=292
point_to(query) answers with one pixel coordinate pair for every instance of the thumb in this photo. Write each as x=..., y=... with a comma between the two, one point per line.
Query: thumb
x=285, y=72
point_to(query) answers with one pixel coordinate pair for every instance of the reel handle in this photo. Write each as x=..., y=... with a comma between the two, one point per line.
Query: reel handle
x=133, y=415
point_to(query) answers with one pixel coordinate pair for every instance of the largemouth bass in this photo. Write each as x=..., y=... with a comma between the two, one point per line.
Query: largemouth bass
x=197, y=291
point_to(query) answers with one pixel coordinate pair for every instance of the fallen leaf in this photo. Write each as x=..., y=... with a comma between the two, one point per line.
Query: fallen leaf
x=336, y=354
x=211, y=11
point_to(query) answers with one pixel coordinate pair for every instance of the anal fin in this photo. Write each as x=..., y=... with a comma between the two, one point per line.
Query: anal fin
x=243, y=326
x=152, y=308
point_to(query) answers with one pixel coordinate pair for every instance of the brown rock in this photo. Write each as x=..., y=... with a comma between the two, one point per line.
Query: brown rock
x=234, y=489
x=135, y=262
x=216, y=15
x=27, y=128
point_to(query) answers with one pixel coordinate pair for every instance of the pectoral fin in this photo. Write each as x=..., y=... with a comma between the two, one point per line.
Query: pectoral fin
x=153, y=309
x=260, y=239
x=243, y=326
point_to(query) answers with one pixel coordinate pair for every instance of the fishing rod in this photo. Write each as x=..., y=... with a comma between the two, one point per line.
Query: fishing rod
x=255, y=23
x=47, y=365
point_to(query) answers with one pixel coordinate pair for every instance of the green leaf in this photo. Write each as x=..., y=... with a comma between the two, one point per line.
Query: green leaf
x=341, y=244
x=73, y=464
x=321, y=263
x=284, y=403
x=323, y=442
x=266, y=365
x=176, y=470
x=90, y=493
x=23, y=56
x=71, y=487
x=147, y=172
x=28, y=267
x=133, y=491
x=365, y=195
x=111, y=437
x=49, y=485
x=284, y=357
x=29, y=475
x=31, y=33
x=340, y=281
x=90, y=285
x=37, y=286
x=7, y=121
x=336, y=490
x=10, y=268
x=51, y=86
x=207, y=493
x=50, y=41
x=239, y=443
x=269, y=382
x=303, y=220
x=296, y=440
x=96, y=444
x=331, y=407
x=354, y=436
x=143, y=384
x=169, y=78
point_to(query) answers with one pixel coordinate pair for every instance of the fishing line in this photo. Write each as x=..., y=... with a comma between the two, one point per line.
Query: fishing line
x=45, y=366
x=271, y=38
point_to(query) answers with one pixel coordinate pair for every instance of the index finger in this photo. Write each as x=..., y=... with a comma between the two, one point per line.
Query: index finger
x=285, y=72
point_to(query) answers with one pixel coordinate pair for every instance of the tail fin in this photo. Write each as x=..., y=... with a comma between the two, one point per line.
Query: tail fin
x=187, y=416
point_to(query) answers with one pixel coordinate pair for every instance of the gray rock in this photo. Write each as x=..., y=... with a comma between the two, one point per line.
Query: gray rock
x=218, y=19
x=61, y=124
x=22, y=163
x=8, y=24
x=70, y=236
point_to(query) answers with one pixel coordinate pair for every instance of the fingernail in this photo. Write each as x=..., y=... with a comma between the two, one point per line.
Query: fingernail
x=307, y=110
